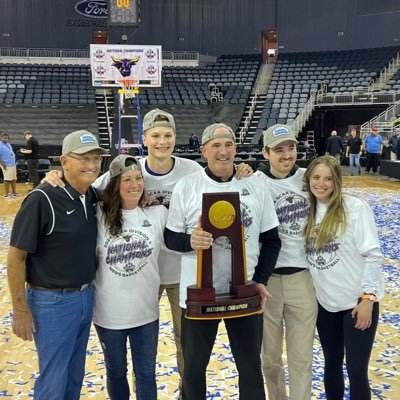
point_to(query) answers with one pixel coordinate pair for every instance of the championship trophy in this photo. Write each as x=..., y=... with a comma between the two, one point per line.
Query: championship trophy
x=221, y=217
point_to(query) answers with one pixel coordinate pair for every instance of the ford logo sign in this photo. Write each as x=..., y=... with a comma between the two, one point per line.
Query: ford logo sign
x=92, y=8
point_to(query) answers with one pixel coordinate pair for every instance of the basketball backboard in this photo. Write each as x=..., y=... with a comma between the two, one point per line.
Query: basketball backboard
x=112, y=63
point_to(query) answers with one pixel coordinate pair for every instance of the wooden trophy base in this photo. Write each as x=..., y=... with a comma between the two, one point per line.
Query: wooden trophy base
x=205, y=304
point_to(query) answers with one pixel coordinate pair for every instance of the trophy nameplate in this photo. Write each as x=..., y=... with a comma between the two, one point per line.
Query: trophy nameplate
x=221, y=217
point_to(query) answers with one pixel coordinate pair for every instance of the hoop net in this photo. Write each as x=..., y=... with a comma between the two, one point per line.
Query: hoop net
x=129, y=88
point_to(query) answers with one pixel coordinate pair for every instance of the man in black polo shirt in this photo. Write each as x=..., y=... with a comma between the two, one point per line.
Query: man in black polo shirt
x=353, y=151
x=32, y=157
x=52, y=249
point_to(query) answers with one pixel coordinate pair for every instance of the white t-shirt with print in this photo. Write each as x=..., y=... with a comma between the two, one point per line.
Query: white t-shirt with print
x=257, y=214
x=292, y=205
x=160, y=187
x=127, y=280
x=350, y=265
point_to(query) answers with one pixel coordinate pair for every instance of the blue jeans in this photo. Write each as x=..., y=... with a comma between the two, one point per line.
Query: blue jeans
x=354, y=160
x=143, y=340
x=62, y=321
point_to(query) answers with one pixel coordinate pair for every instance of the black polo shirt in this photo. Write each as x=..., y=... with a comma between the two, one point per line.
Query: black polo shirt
x=59, y=234
x=354, y=144
x=32, y=144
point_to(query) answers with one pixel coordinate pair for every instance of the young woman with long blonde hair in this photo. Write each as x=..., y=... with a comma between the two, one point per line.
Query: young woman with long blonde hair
x=344, y=256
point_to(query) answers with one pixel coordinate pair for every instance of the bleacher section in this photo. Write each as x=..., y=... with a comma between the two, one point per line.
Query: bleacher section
x=45, y=84
x=49, y=124
x=194, y=118
x=393, y=85
x=233, y=76
x=297, y=74
x=193, y=94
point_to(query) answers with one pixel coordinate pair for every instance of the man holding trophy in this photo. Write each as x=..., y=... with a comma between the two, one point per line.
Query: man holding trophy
x=227, y=231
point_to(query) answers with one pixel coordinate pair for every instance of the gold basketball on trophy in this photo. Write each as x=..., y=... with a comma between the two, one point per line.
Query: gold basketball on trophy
x=222, y=214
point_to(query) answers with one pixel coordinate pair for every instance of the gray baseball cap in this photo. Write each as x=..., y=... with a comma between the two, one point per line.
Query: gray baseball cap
x=149, y=120
x=118, y=165
x=277, y=134
x=209, y=134
x=80, y=142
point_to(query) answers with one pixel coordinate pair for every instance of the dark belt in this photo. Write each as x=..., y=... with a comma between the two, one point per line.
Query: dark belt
x=77, y=289
x=287, y=270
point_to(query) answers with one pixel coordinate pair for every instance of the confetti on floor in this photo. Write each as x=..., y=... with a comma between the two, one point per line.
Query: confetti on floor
x=18, y=361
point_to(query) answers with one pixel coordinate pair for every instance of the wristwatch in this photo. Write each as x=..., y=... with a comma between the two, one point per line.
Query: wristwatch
x=369, y=296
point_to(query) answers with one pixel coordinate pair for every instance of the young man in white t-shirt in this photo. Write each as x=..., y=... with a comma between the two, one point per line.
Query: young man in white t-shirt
x=293, y=302
x=184, y=235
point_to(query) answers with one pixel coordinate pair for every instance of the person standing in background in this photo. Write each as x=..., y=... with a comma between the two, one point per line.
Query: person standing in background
x=353, y=152
x=8, y=167
x=194, y=142
x=31, y=153
x=373, y=146
x=394, y=144
x=335, y=146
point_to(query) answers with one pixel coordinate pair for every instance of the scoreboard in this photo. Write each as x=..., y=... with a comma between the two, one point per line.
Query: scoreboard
x=123, y=13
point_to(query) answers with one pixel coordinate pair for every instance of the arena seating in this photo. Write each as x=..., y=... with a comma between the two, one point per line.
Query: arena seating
x=393, y=85
x=233, y=76
x=194, y=118
x=45, y=84
x=48, y=123
x=297, y=74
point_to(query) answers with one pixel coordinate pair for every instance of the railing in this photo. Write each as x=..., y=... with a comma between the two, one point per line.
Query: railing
x=108, y=118
x=356, y=97
x=181, y=55
x=62, y=54
x=305, y=113
x=245, y=127
x=387, y=72
x=385, y=121
x=43, y=53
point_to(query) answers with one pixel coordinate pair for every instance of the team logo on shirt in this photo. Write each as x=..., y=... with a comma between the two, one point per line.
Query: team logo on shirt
x=245, y=192
x=161, y=197
x=291, y=209
x=128, y=253
x=246, y=217
x=146, y=224
x=325, y=257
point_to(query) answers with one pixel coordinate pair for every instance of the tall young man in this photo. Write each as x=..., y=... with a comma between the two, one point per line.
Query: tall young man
x=293, y=301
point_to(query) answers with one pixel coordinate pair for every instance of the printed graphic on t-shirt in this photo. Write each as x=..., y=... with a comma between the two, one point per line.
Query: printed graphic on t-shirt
x=325, y=257
x=161, y=197
x=291, y=209
x=127, y=254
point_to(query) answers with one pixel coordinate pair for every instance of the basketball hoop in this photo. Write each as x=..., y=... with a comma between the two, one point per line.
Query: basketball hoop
x=129, y=88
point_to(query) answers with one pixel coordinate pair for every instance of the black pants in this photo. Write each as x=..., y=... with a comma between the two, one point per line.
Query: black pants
x=245, y=338
x=372, y=162
x=33, y=165
x=338, y=335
